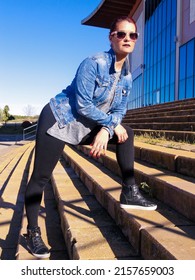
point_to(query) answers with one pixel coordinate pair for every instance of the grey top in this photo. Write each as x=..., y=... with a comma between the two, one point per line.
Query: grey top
x=74, y=131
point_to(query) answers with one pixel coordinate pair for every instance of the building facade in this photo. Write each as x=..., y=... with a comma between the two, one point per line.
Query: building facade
x=163, y=62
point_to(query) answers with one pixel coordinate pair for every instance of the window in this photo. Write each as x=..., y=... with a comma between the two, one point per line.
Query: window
x=187, y=70
x=159, y=53
x=159, y=56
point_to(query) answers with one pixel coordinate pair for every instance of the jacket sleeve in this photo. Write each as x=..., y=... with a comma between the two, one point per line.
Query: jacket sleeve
x=85, y=81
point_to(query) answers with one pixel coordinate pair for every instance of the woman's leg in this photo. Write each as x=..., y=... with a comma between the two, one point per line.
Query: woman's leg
x=130, y=196
x=125, y=156
x=47, y=152
x=124, y=152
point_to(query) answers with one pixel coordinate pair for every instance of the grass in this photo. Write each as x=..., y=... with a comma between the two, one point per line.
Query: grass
x=162, y=141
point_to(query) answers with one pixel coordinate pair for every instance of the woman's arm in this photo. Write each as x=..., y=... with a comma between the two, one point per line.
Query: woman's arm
x=85, y=83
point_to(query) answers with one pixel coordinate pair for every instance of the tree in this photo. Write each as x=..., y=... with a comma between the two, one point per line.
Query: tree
x=5, y=113
x=1, y=114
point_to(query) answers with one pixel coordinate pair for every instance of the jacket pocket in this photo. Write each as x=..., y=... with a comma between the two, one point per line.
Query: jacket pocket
x=101, y=88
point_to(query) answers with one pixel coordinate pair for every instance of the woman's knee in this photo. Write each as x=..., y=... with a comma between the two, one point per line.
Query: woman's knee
x=129, y=130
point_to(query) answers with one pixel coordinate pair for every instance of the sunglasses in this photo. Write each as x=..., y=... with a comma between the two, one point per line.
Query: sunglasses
x=121, y=35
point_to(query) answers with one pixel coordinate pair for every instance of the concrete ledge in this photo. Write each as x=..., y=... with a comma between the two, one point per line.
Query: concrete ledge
x=13, y=181
x=164, y=185
x=107, y=191
x=88, y=230
x=175, y=160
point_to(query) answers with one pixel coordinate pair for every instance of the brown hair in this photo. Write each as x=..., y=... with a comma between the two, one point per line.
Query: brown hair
x=119, y=19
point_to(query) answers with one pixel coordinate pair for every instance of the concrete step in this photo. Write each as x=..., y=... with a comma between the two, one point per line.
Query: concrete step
x=13, y=179
x=90, y=233
x=14, y=172
x=50, y=224
x=166, y=186
x=175, y=160
x=172, y=120
x=176, y=126
x=161, y=234
x=187, y=104
x=184, y=136
x=131, y=114
x=160, y=119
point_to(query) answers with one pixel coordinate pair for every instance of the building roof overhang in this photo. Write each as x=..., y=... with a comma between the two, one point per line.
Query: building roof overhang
x=108, y=10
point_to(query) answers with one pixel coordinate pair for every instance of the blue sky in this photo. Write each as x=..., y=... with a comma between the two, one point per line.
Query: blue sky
x=42, y=42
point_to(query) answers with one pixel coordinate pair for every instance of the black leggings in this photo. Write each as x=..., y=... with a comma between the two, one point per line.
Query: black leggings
x=48, y=151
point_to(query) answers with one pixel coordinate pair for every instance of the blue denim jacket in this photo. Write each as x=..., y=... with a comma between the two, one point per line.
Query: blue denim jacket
x=90, y=89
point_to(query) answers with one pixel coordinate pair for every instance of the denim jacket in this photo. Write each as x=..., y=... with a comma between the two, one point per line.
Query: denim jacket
x=90, y=89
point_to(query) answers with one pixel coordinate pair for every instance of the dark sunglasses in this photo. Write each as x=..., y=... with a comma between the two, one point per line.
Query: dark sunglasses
x=121, y=35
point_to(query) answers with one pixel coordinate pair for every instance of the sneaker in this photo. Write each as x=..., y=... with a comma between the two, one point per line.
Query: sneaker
x=131, y=198
x=35, y=244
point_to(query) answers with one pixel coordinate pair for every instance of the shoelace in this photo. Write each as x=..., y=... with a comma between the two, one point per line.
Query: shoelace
x=37, y=241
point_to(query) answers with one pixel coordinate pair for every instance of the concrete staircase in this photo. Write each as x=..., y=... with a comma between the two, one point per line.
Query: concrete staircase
x=80, y=216
x=171, y=120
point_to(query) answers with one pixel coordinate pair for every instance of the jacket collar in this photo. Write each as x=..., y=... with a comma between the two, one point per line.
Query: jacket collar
x=126, y=66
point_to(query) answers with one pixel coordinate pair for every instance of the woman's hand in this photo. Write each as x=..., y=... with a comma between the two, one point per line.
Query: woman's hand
x=100, y=143
x=121, y=133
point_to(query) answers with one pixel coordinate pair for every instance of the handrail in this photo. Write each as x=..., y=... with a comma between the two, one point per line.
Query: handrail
x=31, y=134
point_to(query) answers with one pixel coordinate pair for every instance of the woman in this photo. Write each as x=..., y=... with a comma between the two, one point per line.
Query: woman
x=89, y=111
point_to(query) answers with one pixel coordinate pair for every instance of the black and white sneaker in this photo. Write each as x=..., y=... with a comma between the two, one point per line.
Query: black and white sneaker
x=131, y=198
x=35, y=244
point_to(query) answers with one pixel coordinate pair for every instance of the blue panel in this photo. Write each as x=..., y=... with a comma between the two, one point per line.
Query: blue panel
x=189, y=88
x=182, y=63
x=182, y=89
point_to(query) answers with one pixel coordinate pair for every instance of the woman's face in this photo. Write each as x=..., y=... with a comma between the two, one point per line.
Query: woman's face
x=122, y=47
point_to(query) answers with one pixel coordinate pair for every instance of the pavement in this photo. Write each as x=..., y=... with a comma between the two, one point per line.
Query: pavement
x=7, y=146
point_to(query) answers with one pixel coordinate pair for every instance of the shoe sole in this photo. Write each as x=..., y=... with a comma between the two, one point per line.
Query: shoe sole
x=138, y=207
x=45, y=256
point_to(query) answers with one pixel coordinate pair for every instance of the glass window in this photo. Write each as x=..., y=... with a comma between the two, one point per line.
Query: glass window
x=159, y=23
x=182, y=62
x=154, y=77
x=168, y=40
x=172, y=68
x=163, y=72
x=190, y=55
x=172, y=92
x=167, y=98
x=162, y=96
x=182, y=89
x=151, y=79
x=189, y=88
x=164, y=12
x=158, y=77
x=135, y=98
x=194, y=86
x=173, y=9
x=173, y=32
x=168, y=12
x=159, y=53
x=159, y=47
x=155, y=50
x=163, y=43
x=167, y=71
x=155, y=23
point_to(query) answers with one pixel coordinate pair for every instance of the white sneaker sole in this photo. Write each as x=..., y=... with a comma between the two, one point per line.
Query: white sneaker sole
x=39, y=256
x=138, y=207
x=45, y=256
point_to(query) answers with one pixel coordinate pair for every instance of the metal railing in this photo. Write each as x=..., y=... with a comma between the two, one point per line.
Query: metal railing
x=30, y=132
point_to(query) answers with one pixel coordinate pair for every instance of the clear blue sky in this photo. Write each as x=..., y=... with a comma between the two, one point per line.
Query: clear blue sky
x=42, y=42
